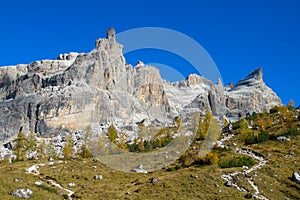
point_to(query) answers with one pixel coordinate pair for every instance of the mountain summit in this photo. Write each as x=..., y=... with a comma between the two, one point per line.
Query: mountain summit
x=96, y=88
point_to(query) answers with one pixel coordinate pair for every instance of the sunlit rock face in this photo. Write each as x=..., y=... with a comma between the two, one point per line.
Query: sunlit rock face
x=250, y=95
x=88, y=89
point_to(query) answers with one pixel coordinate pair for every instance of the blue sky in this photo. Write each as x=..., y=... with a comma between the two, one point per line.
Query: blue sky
x=239, y=35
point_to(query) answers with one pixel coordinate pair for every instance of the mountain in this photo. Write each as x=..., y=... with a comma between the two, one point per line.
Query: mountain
x=99, y=88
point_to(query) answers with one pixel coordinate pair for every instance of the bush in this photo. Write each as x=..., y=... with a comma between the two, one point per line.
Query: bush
x=47, y=188
x=211, y=158
x=274, y=109
x=291, y=133
x=237, y=162
x=242, y=124
x=173, y=169
x=253, y=138
x=252, y=117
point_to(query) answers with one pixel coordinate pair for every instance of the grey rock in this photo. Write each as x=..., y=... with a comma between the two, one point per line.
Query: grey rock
x=110, y=34
x=250, y=95
x=139, y=169
x=17, y=180
x=282, y=138
x=98, y=177
x=194, y=176
x=296, y=177
x=153, y=180
x=71, y=184
x=38, y=183
x=22, y=193
x=89, y=89
x=229, y=184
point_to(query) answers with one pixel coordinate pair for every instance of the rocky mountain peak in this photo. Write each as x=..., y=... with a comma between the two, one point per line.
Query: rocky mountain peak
x=257, y=74
x=96, y=88
x=253, y=79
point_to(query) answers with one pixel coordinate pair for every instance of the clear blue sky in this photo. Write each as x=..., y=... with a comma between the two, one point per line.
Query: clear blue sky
x=239, y=35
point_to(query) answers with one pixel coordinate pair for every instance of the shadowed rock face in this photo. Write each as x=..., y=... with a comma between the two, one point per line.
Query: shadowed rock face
x=80, y=90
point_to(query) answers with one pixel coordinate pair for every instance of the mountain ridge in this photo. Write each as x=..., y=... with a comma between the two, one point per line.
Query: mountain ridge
x=90, y=89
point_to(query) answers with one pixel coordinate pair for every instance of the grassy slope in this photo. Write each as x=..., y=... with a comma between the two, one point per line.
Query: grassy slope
x=273, y=179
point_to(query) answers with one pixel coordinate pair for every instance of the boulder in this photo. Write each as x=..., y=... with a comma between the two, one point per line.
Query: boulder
x=296, y=177
x=38, y=183
x=139, y=169
x=71, y=184
x=22, y=193
x=229, y=184
x=153, y=180
x=98, y=177
x=282, y=139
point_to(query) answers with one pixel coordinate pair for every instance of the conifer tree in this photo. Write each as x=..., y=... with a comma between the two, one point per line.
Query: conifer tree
x=31, y=142
x=204, y=125
x=67, y=150
x=84, y=152
x=112, y=133
x=20, y=146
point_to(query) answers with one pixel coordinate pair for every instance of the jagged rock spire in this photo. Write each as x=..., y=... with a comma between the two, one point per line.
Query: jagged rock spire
x=111, y=34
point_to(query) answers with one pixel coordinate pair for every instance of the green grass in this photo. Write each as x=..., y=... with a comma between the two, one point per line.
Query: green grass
x=237, y=162
x=273, y=179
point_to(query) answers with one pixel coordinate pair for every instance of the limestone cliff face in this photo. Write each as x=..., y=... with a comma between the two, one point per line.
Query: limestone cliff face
x=88, y=89
x=79, y=90
x=250, y=95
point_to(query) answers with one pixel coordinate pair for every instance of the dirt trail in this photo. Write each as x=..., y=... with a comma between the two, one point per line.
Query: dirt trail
x=246, y=172
x=34, y=170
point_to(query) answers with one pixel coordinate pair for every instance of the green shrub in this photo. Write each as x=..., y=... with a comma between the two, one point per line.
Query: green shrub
x=291, y=133
x=252, y=117
x=237, y=162
x=242, y=124
x=253, y=138
x=173, y=169
x=47, y=188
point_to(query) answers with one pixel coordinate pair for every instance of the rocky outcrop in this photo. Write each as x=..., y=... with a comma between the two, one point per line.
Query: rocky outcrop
x=296, y=177
x=95, y=88
x=250, y=95
x=22, y=193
